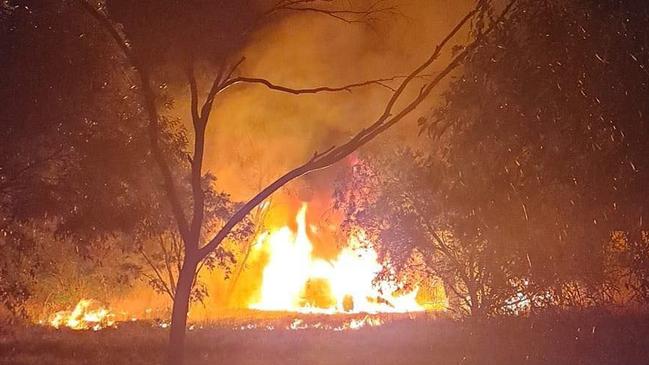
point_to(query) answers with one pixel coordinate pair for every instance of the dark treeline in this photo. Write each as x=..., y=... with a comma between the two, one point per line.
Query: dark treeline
x=534, y=190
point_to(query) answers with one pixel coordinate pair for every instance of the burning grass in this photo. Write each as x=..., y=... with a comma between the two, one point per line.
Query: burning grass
x=87, y=314
x=567, y=338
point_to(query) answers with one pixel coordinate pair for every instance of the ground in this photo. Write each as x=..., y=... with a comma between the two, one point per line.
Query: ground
x=569, y=338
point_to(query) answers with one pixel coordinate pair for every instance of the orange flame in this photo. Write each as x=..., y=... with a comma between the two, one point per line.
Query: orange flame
x=345, y=284
x=87, y=314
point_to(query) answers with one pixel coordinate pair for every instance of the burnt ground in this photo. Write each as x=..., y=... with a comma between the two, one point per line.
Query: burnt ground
x=567, y=338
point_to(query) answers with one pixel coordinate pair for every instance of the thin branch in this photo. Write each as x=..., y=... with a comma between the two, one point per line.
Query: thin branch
x=163, y=283
x=167, y=258
x=235, y=67
x=177, y=251
x=108, y=26
x=347, y=16
x=153, y=279
x=6, y=181
x=193, y=93
x=198, y=270
x=297, y=91
x=206, y=109
x=259, y=217
x=441, y=244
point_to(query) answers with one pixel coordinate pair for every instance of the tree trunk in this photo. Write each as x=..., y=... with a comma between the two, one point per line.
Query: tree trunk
x=179, y=313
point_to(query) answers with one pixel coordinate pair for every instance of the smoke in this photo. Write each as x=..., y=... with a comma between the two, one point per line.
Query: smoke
x=256, y=134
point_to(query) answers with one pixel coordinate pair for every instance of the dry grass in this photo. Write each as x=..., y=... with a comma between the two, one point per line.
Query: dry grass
x=569, y=338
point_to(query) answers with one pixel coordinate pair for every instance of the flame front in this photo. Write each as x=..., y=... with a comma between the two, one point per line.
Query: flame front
x=294, y=280
x=85, y=315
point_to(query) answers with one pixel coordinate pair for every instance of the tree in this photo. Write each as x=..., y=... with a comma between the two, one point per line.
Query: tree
x=73, y=150
x=166, y=37
x=546, y=132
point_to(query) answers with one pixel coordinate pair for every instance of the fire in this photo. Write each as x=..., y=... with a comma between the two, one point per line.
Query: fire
x=87, y=314
x=345, y=284
x=352, y=324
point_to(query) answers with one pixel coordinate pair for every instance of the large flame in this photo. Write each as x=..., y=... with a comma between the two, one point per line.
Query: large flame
x=87, y=314
x=295, y=280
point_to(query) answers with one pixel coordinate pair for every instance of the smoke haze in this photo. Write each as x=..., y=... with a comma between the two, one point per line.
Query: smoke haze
x=256, y=134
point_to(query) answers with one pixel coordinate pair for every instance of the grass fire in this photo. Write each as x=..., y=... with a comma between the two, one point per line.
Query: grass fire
x=84, y=317
x=324, y=182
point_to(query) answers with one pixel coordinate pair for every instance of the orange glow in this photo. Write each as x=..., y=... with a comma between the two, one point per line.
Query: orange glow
x=87, y=314
x=294, y=280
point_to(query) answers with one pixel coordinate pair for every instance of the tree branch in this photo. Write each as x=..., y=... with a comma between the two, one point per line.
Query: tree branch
x=206, y=109
x=178, y=252
x=6, y=181
x=193, y=93
x=297, y=91
x=168, y=260
x=163, y=283
x=198, y=196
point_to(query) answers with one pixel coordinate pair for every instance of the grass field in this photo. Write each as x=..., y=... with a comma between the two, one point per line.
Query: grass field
x=570, y=338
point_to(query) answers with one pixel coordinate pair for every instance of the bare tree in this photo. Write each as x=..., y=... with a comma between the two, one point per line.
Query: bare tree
x=400, y=104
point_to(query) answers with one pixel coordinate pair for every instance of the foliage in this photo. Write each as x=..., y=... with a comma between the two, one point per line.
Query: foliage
x=547, y=129
x=537, y=161
x=75, y=159
x=404, y=203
